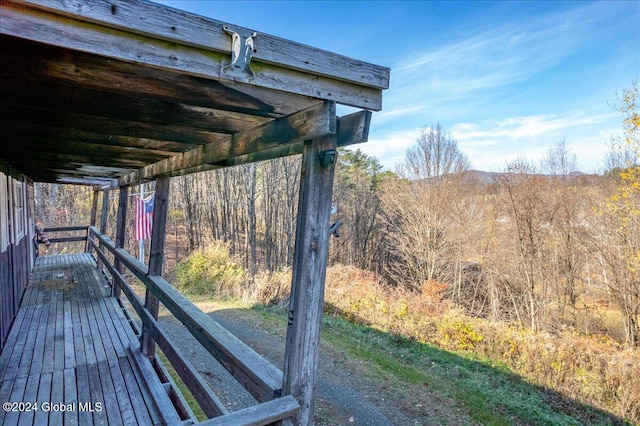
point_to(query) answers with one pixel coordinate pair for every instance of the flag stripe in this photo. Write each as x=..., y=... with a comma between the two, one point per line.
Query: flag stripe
x=143, y=220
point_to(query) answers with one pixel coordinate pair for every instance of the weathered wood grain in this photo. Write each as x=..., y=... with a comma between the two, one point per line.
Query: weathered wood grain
x=351, y=129
x=73, y=317
x=207, y=400
x=40, y=26
x=192, y=30
x=308, y=277
x=114, y=105
x=28, y=115
x=156, y=256
x=258, y=415
x=44, y=65
x=70, y=396
x=121, y=231
x=160, y=398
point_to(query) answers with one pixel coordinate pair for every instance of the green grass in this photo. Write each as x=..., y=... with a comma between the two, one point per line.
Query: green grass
x=182, y=388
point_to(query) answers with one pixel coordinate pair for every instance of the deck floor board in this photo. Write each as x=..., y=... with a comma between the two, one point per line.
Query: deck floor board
x=70, y=344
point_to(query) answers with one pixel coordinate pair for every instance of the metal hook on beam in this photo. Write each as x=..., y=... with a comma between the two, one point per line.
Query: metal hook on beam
x=333, y=230
x=242, y=51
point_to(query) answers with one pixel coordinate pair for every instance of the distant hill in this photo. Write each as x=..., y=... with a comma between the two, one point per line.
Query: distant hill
x=490, y=177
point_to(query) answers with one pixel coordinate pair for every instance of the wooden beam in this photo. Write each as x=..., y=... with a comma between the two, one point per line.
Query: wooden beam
x=94, y=213
x=104, y=217
x=65, y=229
x=69, y=29
x=57, y=66
x=316, y=121
x=184, y=28
x=94, y=208
x=71, y=135
x=257, y=415
x=67, y=240
x=77, y=158
x=100, y=154
x=156, y=256
x=308, y=277
x=104, y=214
x=352, y=129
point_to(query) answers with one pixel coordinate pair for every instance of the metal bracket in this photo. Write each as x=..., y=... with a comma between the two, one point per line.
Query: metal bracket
x=328, y=157
x=242, y=51
x=334, y=228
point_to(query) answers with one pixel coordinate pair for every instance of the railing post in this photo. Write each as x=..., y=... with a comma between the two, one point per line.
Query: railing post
x=104, y=216
x=121, y=232
x=156, y=256
x=92, y=222
x=309, y=270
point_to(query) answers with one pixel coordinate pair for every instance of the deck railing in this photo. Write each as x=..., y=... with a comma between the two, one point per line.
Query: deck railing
x=260, y=378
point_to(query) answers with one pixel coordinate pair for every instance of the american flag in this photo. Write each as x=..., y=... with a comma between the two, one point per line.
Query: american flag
x=144, y=218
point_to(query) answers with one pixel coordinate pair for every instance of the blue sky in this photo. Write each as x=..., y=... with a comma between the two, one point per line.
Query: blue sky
x=507, y=79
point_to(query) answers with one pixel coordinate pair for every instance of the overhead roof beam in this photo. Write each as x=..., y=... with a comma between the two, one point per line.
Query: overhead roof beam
x=352, y=129
x=316, y=121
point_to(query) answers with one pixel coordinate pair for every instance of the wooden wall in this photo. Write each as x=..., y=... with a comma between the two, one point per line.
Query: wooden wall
x=16, y=244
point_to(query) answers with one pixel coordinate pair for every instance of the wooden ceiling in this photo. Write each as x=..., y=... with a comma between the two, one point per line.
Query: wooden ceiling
x=118, y=92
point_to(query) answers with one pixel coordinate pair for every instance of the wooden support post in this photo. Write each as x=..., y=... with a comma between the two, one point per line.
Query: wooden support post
x=121, y=232
x=104, y=217
x=156, y=255
x=94, y=213
x=94, y=207
x=309, y=270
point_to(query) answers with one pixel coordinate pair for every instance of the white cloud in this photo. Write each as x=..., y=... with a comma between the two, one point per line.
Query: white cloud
x=515, y=128
x=490, y=145
x=390, y=149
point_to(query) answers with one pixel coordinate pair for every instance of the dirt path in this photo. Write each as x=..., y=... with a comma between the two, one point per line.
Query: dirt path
x=349, y=391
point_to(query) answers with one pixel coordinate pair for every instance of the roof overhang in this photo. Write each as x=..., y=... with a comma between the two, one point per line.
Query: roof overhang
x=119, y=92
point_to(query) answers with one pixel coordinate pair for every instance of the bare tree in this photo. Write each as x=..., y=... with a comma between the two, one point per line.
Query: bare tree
x=528, y=214
x=435, y=154
x=559, y=160
x=420, y=210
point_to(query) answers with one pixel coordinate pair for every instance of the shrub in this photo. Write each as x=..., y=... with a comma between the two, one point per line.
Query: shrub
x=210, y=271
x=270, y=289
x=456, y=333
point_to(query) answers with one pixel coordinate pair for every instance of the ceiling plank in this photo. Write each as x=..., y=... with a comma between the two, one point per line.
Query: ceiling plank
x=28, y=115
x=22, y=90
x=37, y=146
x=21, y=133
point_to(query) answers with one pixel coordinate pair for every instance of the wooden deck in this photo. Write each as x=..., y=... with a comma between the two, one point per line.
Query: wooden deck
x=72, y=356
